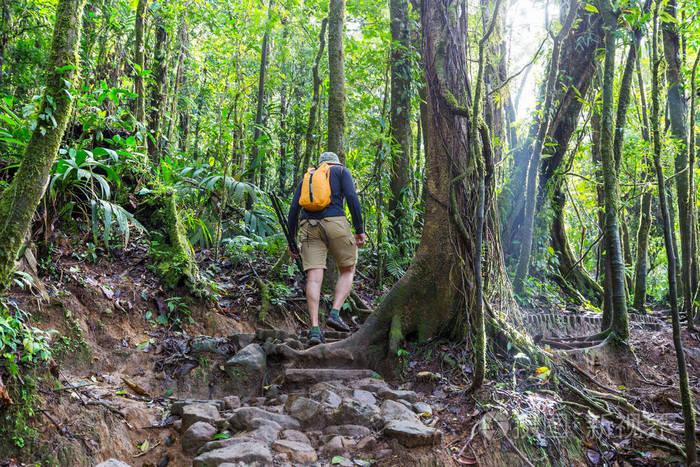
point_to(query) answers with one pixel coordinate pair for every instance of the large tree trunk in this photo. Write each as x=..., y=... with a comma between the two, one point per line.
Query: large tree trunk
x=336, y=72
x=438, y=290
x=19, y=201
x=140, y=62
x=613, y=245
x=400, y=117
x=678, y=114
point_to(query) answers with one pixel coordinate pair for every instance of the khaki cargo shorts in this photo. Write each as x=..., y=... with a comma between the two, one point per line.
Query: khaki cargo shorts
x=318, y=236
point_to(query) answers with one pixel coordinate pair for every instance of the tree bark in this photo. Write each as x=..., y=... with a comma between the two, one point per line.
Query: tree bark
x=336, y=71
x=19, y=201
x=400, y=118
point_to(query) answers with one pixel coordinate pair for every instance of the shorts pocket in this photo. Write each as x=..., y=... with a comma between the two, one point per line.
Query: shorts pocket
x=337, y=228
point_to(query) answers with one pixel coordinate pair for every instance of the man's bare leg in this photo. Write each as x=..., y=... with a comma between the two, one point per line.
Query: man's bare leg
x=314, y=280
x=343, y=286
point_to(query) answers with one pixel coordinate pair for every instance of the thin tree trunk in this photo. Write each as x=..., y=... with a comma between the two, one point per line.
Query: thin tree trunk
x=311, y=137
x=677, y=111
x=179, y=78
x=140, y=62
x=613, y=245
x=691, y=295
x=641, y=263
x=19, y=201
x=686, y=394
x=336, y=71
x=257, y=163
x=159, y=90
x=534, y=165
x=400, y=118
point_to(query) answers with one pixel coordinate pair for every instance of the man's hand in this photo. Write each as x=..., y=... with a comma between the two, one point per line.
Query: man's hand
x=360, y=239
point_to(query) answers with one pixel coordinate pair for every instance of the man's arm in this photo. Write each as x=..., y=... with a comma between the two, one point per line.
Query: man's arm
x=348, y=187
x=293, y=218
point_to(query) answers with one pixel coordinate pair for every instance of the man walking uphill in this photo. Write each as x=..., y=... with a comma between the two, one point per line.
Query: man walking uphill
x=323, y=227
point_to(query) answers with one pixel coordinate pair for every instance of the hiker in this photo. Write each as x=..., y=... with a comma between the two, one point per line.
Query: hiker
x=323, y=227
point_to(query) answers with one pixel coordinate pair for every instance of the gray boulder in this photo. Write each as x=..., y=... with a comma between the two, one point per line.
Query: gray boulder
x=247, y=452
x=298, y=452
x=392, y=410
x=307, y=411
x=113, y=463
x=199, y=412
x=246, y=369
x=423, y=408
x=364, y=397
x=196, y=436
x=412, y=434
x=242, y=419
x=394, y=394
x=352, y=412
x=351, y=431
x=295, y=435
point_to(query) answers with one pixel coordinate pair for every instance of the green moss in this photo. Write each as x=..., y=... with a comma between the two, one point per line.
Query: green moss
x=170, y=248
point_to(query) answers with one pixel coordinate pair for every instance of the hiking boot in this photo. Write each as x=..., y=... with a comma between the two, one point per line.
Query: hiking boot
x=337, y=323
x=315, y=337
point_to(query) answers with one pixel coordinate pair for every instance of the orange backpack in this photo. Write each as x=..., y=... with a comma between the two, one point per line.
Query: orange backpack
x=316, y=188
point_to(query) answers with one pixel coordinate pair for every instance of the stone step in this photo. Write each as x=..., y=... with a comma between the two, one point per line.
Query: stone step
x=317, y=375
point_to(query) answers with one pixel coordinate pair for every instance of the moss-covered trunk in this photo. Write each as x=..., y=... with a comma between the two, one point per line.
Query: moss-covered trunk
x=139, y=63
x=159, y=91
x=20, y=200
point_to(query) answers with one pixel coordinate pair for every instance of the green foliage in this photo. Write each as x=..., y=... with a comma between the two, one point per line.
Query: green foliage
x=20, y=343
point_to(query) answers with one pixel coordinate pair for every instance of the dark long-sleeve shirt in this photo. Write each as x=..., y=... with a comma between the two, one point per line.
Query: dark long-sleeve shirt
x=342, y=188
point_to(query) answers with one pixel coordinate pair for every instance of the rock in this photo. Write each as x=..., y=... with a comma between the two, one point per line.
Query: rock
x=242, y=340
x=241, y=418
x=406, y=404
x=177, y=406
x=246, y=369
x=338, y=445
x=354, y=413
x=317, y=375
x=392, y=410
x=222, y=443
x=199, y=412
x=328, y=398
x=394, y=394
x=272, y=391
x=257, y=422
x=247, y=452
x=113, y=463
x=352, y=431
x=177, y=425
x=298, y=452
x=295, y=435
x=364, y=397
x=307, y=411
x=232, y=402
x=266, y=433
x=196, y=435
x=368, y=443
x=372, y=385
x=412, y=434
x=422, y=408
